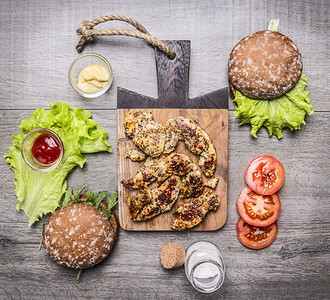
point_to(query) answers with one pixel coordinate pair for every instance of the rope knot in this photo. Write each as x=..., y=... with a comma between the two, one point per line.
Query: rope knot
x=87, y=31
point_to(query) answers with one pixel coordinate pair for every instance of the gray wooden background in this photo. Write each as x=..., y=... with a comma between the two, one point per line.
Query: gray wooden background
x=37, y=45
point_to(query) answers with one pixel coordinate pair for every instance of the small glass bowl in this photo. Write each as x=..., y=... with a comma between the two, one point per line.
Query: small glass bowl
x=80, y=63
x=27, y=155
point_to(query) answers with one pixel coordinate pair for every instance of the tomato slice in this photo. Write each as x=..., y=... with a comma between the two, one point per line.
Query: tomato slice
x=255, y=237
x=265, y=175
x=258, y=210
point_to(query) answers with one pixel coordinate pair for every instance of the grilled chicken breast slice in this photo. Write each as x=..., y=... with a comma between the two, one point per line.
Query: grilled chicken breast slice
x=188, y=131
x=192, y=183
x=135, y=119
x=162, y=199
x=171, y=142
x=135, y=155
x=196, y=140
x=159, y=168
x=208, y=159
x=136, y=202
x=212, y=183
x=193, y=211
x=150, y=138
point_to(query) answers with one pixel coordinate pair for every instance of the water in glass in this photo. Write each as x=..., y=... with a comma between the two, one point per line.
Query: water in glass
x=204, y=266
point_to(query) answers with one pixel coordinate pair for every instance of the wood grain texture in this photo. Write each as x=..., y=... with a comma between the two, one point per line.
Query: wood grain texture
x=173, y=85
x=173, y=88
x=38, y=44
x=295, y=266
x=39, y=74
x=173, y=74
x=217, y=99
x=215, y=123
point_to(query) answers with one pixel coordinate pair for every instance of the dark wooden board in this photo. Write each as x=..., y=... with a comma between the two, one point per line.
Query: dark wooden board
x=211, y=112
x=173, y=85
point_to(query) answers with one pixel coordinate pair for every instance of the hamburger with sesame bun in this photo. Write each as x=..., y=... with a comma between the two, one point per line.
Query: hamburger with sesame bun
x=82, y=231
x=266, y=78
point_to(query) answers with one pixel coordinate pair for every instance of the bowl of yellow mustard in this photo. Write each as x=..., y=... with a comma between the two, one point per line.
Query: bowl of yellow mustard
x=90, y=75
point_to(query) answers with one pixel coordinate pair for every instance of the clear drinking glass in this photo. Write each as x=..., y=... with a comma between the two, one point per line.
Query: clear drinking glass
x=204, y=266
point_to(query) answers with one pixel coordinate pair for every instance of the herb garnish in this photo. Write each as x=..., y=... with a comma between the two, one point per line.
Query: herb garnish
x=113, y=200
x=42, y=236
x=79, y=274
x=92, y=199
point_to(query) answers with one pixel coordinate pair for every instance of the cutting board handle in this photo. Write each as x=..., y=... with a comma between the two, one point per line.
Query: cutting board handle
x=173, y=85
x=173, y=74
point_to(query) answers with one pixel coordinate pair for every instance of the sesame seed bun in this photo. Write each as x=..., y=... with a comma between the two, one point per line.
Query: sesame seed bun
x=264, y=65
x=79, y=235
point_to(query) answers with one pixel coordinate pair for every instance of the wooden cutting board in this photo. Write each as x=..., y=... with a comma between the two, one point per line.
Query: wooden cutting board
x=209, y=110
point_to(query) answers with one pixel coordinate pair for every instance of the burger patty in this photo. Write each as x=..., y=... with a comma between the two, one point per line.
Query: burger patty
x=264, y=65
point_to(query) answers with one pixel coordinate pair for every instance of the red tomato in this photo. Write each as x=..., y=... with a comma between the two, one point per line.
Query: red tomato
x=258, y=210
x=265, y=175
x=255, y=237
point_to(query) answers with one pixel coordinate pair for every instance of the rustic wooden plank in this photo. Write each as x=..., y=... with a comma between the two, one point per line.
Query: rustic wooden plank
x=217, y=99
x=41, y=277
x=36, y=54
x=32, y=76
x=173, y=75
x=215, y=123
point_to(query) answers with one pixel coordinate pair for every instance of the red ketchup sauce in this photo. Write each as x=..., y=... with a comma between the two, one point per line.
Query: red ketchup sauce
x=45, y=149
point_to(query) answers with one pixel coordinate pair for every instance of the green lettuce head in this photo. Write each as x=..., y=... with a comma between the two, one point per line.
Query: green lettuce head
x=39, y=193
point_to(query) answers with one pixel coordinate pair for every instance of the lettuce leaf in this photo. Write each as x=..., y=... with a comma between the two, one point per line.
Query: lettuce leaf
x=288, y=110
x=39, y=193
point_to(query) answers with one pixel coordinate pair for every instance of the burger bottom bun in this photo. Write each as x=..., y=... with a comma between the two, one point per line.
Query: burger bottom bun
x=79, y=235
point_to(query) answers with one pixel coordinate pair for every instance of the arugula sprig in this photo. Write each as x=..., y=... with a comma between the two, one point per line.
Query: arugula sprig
x=42, y=237
x=112, y=201
x=100, y=196
x=78, y=194
x=92, y=199
x=273, y=24
x=68, y=196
